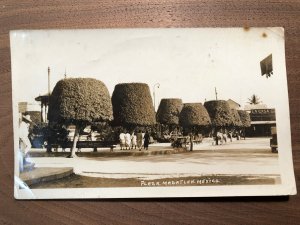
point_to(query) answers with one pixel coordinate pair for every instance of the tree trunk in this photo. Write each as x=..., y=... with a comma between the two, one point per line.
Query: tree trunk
x=216, y=135
x=191, y=142
x=75, y=140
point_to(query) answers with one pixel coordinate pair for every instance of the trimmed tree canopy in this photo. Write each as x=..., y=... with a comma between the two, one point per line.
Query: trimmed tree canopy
x=236, y=118
x=132, y=105
x=194, y=114
x=220, y=113
x=80, y=100
x=169, y=110
x=245, y=118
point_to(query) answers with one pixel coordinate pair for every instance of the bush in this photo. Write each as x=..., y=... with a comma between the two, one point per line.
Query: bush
x=194, y=114
x=132, y=105
x=220, y=113
x=169, y=110
x=80, y=100
x=245, y=118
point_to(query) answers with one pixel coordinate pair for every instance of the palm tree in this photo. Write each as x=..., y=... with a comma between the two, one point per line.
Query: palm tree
x=254, y=100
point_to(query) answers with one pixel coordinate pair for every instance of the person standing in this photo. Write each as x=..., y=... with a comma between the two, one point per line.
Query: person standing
x=133, y=140
x=139, y=138
x=122, y=140
x=24, y=142
x=224, y=136
x=146, y=140
x=230, y=135
x=24, y=134
x=127, y=140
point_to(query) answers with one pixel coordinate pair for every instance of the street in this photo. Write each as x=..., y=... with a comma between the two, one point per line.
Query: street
x=243, y=157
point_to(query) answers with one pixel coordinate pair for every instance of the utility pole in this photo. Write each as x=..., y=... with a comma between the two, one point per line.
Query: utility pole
x=49, y=81
x=49, y=92
x=65, y=73
x=216, y=93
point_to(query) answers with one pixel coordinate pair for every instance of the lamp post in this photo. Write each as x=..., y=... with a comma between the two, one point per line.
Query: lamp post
x=154, y=86
x=49, y=93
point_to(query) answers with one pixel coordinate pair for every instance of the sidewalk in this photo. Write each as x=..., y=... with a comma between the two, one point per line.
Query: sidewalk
x=250, y=144
x=45, y=174
x=154, y=149
x=244, y=157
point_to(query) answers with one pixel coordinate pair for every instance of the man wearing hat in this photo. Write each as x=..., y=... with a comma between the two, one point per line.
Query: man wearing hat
x=25, y=144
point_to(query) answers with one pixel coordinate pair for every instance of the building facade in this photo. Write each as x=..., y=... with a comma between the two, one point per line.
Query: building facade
x=262, y=121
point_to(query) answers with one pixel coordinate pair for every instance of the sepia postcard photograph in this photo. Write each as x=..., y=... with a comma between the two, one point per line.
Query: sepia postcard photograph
x=151, y=113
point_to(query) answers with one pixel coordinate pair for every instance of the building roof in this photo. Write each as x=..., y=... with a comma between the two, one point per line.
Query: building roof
x=43, y=98
x=233, y=104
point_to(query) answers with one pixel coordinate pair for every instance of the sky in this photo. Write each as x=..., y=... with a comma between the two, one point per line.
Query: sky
x=187, y=63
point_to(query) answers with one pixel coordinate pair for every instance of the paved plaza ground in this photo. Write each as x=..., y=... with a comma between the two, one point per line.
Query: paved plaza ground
x=240, y=162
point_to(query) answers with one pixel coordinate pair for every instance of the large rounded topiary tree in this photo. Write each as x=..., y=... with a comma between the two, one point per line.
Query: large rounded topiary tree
x=169, y=110
x=168, y=113
x=194, y=117
x=236, y=118
x=245, y=120
x=79, y=101
x=132, y=105
x=237, y=123
x=220, y=115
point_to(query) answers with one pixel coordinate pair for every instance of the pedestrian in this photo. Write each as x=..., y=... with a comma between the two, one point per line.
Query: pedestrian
x=24, y=142
x=224, y=136
x=139, y=138
x=122, y=140
x=133, y=140
x=127, y=140
x=230, y=135
x=146, y=140
x=237, y=133
x=219, y=138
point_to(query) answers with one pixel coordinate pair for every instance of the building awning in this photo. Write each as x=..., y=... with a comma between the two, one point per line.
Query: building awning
x=43, y=98
x=263, y=122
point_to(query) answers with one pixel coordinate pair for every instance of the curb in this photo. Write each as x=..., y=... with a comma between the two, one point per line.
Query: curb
x=110, y=154
x=45, y=174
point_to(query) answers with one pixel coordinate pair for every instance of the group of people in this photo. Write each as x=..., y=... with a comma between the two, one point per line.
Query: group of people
x=223, y=136
x=134, y=140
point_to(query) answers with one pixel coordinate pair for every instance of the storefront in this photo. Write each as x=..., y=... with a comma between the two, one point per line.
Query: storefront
x=261, y=122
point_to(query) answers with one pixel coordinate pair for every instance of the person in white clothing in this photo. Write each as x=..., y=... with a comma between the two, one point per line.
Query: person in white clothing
x=127, y=141
x=122, y=140
x=133, y=140
x=25, y=144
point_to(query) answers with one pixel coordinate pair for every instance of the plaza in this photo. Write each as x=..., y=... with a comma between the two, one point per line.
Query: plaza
x=251, y=157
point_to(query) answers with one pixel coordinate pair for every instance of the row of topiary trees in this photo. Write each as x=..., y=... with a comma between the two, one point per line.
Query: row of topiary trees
x=196, y=117
x=83, y=101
